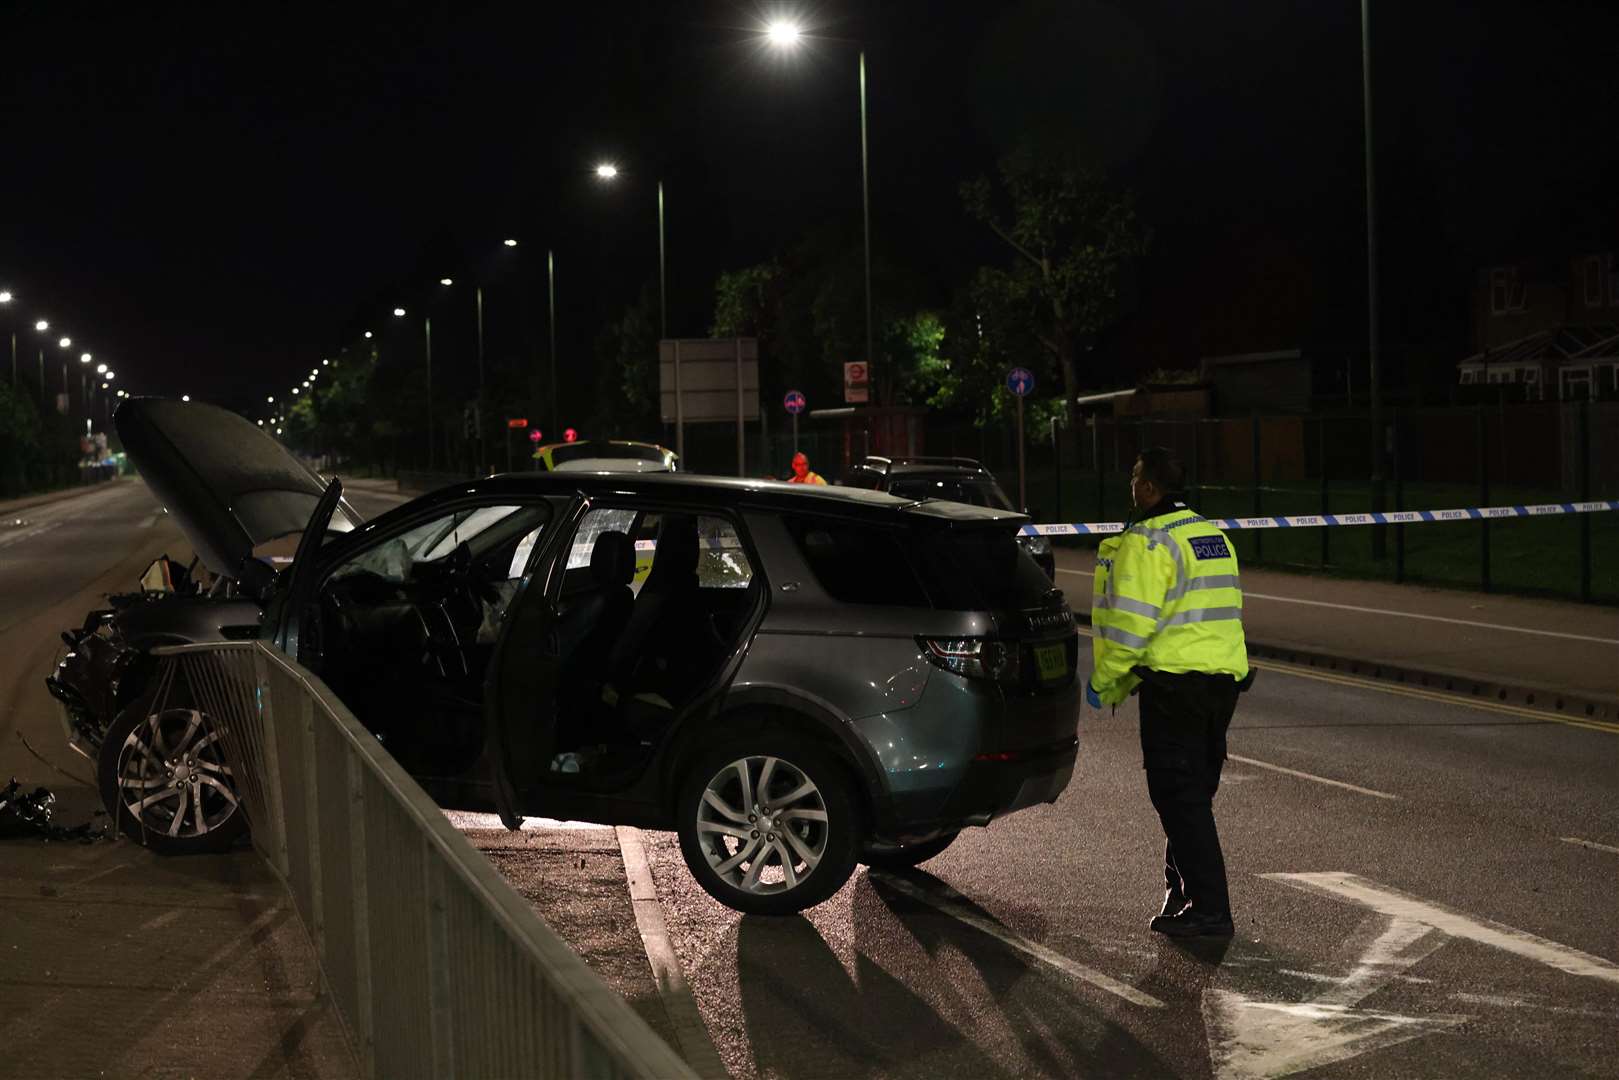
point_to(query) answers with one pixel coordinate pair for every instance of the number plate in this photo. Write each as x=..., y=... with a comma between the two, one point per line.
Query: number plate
x=1052, y=661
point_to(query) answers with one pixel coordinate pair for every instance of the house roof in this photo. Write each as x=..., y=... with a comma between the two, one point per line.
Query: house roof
x=1555, y=345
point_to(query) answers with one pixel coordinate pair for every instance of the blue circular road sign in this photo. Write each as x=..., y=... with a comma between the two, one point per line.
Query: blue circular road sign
x=1020, y=381
x=793, y=402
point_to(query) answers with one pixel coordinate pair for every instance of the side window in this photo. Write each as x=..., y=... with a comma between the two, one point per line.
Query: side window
x=484, y=529
x=597, y=521
x=721, y=562
x=858, y=564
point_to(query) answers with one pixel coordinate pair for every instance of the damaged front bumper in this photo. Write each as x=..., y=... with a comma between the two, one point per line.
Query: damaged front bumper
x=85, y=681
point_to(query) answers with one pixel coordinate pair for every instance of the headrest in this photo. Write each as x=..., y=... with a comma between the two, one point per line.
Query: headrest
x=675, y=564
x=612, y=559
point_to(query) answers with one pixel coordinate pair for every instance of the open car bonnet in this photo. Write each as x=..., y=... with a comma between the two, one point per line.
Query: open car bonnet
x=228, y=484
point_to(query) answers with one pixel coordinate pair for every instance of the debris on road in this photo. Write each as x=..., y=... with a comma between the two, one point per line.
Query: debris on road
x=31, y=813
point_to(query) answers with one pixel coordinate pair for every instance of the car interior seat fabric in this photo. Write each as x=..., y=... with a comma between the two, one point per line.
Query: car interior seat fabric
x=666, y=613
x=595, y=616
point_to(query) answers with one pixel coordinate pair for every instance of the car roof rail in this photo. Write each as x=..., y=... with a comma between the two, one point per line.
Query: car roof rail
x=965, y=462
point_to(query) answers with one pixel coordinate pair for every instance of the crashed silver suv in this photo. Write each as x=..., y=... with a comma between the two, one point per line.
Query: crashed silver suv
x=795, y=679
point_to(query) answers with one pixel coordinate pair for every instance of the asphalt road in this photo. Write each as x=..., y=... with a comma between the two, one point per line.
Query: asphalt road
x=1421, y=888
x=1434, y=919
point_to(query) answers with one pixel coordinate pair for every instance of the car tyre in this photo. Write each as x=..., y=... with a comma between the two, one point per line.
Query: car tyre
x=911, y=855
x=769, y=824
x=165, y=780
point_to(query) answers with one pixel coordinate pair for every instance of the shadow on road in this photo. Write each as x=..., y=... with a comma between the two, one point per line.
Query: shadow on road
x=928, y=996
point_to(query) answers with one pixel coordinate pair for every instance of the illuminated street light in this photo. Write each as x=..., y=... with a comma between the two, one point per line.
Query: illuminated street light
x=294, y=389
x=261, y=423
x=85, y=358
x=103, y=386
x=607, y=171
x=185, y=397
x=368, y=335
x=101, y=369
x=270, y=400
x=323, y=363
x=509, y=242
x=446, y=281
x=399, y=313
x=66, y=343
x=783, y=34
x=42, y=326
x=5, y=296
x=111, y=375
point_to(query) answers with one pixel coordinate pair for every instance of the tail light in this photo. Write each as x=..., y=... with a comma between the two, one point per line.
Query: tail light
x=974, y=657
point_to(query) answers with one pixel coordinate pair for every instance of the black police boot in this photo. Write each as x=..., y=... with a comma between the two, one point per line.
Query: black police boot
x=1191, y=923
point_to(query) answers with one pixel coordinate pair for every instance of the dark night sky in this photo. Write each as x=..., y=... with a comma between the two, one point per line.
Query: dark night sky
x=212, y=200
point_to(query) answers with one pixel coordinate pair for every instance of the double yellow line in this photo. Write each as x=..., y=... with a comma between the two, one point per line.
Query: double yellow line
x=1422, y=693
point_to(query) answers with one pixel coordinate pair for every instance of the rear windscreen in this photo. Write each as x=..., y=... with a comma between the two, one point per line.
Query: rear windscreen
x=982, y=569
x=976, y=569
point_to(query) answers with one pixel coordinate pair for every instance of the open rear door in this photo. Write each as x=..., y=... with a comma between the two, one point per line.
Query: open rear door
x=520, y=689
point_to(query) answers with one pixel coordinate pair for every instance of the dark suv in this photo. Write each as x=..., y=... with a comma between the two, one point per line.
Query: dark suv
x=806, y=678
x=958, y=479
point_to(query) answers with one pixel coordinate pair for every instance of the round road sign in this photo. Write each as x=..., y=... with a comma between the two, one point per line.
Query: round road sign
x=793, y=402
x=1020, y=381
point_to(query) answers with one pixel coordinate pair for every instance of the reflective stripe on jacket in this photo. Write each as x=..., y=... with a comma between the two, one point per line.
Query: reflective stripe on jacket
x=1168, y=597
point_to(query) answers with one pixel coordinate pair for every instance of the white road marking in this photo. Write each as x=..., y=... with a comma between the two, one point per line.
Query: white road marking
x=1006, y=937
x=1251, y=1039
x=681, y=1007
x=463, y=819
x=1392, y=902
x=1404, y=614
x=148, y=522
x=1312, y=777
x=1588, y=844
x=1504, y=1002
x=27, y=534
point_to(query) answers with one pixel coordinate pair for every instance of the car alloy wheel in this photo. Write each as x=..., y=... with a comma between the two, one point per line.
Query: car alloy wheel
x=762, y=825
x=171, y=786
x=769, y=824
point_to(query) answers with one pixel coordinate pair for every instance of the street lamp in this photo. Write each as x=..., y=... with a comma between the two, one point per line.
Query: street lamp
x=66, y=343
x=608, y=172
x=446, y=281
x=368, y=335
x=509, y=242
x=270, y=400
x=42, y=326
x=399, y=313
x=84, y=358
x=185, y=397
x=101, y=369
x=5, y=298
x=785, y=35
x=427, y=341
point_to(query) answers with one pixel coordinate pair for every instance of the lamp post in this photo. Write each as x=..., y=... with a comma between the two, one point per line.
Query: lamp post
x=5, y=302
x=551, y=322
x=42, y=326
x=785, y=35
x=427, y=342
x=608, y=172
x=1376, y=388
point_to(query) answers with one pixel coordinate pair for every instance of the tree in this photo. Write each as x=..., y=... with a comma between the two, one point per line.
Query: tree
x=1071, y=235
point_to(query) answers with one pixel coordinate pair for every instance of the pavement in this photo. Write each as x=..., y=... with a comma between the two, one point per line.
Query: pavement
x=1422, y=880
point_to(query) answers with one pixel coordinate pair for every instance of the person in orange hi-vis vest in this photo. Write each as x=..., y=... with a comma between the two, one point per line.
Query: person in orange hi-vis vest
x=802, y=473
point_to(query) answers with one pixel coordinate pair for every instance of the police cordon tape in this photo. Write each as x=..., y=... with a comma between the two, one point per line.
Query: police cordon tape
x=1307, y=521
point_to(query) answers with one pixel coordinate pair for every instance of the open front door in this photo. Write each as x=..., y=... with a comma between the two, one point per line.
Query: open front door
x=296, y=635
x=520, y=688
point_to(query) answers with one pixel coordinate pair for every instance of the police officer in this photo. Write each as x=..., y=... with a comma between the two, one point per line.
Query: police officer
x=1167, y=617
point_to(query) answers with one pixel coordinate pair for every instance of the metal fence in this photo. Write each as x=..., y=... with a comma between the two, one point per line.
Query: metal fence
x=437, y=966
x=1281, y=464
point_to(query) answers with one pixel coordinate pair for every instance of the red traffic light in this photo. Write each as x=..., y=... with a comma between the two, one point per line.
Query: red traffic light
x=570, y=435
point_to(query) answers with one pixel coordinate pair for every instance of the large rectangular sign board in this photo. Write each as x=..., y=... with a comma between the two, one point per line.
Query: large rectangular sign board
x=708, y=373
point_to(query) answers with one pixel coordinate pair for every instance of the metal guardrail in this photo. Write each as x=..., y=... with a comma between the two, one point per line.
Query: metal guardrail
x=437, y=966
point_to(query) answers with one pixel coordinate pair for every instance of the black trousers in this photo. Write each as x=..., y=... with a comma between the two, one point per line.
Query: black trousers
x=1184, y=719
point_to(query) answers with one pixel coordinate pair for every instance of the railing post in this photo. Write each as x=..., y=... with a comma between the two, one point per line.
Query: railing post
x=1399, y=500
x=1326, y=533
x=1259, y=534
x=1483, y=500
x=440, y=1023
x=317, y=895
x=365, y=1020
x=275, y=796
x=1585, y=496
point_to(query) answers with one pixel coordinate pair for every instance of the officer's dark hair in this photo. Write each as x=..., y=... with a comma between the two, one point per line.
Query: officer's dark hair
x=1162, y=469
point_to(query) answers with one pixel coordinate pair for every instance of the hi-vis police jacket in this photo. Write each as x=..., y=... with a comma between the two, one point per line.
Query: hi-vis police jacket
x=1167, y=598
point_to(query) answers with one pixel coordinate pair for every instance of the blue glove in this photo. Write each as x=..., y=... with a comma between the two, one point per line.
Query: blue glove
x=1092, y=698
